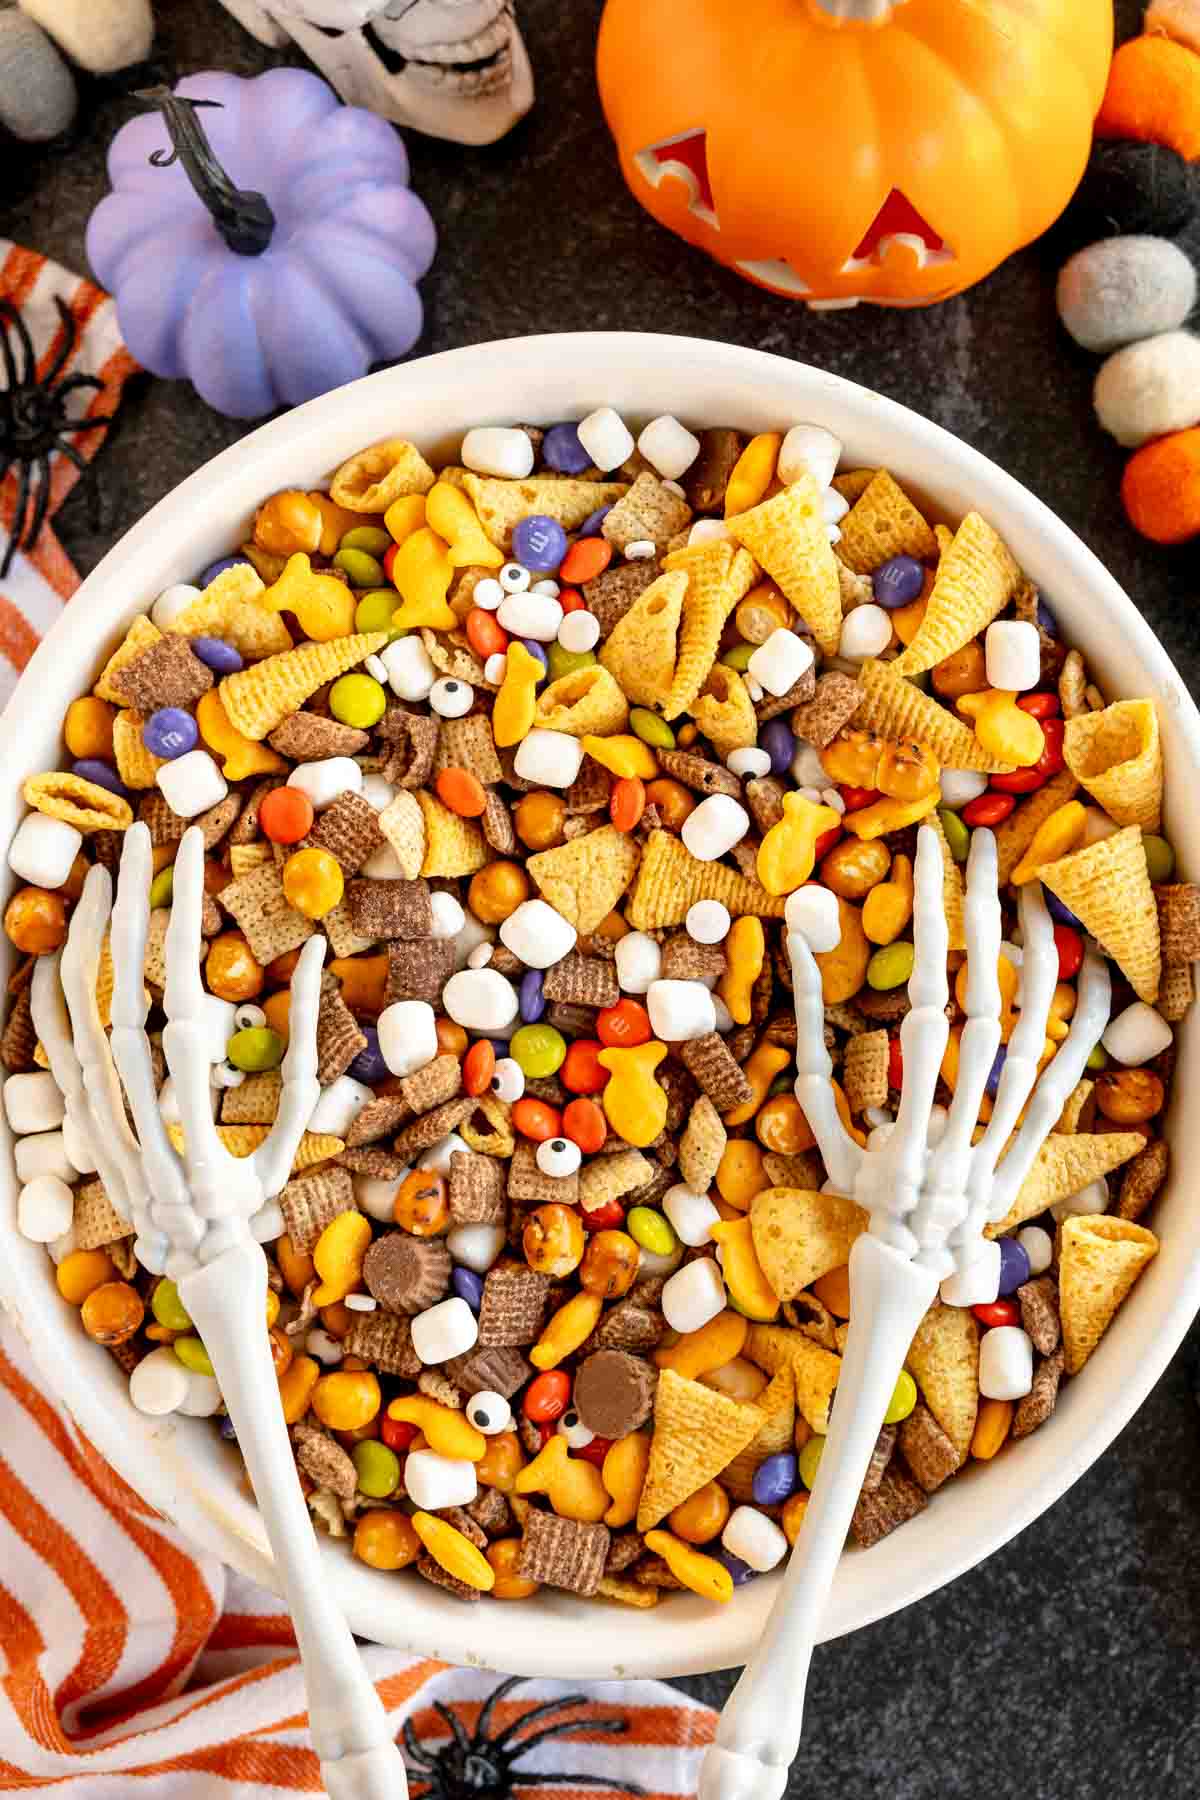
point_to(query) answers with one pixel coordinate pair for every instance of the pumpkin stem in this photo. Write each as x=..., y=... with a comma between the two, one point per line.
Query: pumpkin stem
x=243, y=217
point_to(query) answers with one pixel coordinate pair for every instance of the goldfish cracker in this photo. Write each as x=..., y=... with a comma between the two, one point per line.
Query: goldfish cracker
x=241, y=755
x=623, y=1472
x=887, y=814
x=81, y=1272
x=634, y=1103
x=753, y=473
x=515, y=706
x=699, y=1352
x=338, y=1256
x=384, y=1539
x=504, y=1556
x=833, y=1291
x=760, y=1069
x=574, y=1487
x=888, y=907
x=749, y=1289
x=745, y=952
x=448, y=1432
x=296, y=1266
x=363, y=980
x=346, y=1399
x=501, y=1462
x=740, y=1173
x=702, y=1516
x=448, y=510
x=704, y=1575
x=454, y=1552
x=789, y=850
x=992, y=1425
x=88, y=727
x=422, y=572
x=404, y=516
x=1001, y=726
x=323, y=604
x=1064, y=831
x=908, y=620
x=296, y=1386
x=622, y=755
x=566, y=1330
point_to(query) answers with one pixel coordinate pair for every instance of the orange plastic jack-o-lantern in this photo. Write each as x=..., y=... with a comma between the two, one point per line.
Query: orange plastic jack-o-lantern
x=843, y=150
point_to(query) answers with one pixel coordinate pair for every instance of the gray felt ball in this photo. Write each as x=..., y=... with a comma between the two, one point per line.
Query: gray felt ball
x=1123, y=289
x=1150, y=389
x=37, y=89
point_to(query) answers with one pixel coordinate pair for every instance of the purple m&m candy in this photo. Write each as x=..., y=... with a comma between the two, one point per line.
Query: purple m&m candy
x=1014, y=1265
x=218, y=568
x=740, y=1571
x=217, y=655
x=898, y=581
x=562, y=450
x=369, y=1065
x=101, y=774
x=170, y=732
x=468, y=1286
x=775, y=1478
x=1062, y=915
x=540, y=543
x=1046, y=619
x=536, y=650
x=592, y=525
x=777, y=740
x=533, y=1003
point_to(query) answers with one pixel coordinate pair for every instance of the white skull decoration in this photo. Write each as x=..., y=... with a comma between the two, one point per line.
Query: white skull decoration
x=456, y=69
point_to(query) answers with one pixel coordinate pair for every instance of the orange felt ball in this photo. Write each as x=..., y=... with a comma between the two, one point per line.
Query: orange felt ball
x=1154, y=94
x=1161, y=488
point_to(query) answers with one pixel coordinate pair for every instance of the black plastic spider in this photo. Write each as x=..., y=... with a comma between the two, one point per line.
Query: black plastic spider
x=34, y=421
x=480, y=1767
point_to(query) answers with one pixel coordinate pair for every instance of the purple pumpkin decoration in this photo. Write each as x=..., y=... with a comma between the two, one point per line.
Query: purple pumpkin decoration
x=271, y=255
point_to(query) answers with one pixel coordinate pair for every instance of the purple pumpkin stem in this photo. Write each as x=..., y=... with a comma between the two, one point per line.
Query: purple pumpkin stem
x=243, y=217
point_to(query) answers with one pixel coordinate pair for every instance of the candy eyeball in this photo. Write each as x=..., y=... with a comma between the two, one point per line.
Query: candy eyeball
x=224, y=1075
x=508, y=1083
x=451, y=699
x=248, y=1017
x=572, y=1427
x=558, y=1157
x=513, y=578
x=489, y=1412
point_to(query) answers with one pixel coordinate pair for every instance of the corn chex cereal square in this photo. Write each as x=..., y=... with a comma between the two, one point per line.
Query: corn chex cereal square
x=268, y=921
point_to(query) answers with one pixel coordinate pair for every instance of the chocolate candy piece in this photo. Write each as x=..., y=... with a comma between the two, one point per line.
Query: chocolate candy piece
x=407, y=1274
x=614, y=1392
x=419, y=970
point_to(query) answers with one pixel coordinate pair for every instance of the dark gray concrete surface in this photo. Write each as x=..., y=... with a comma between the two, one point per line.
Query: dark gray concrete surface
x=1066, y=1666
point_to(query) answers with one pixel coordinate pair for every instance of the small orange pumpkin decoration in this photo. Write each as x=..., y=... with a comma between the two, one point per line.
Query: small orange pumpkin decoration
x=844, y=150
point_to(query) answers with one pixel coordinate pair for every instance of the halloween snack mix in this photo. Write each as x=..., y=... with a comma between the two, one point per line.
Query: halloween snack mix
x=554, y=747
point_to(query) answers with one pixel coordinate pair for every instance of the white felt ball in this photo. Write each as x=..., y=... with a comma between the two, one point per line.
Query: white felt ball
x=1150, y=389
x=1124, y=289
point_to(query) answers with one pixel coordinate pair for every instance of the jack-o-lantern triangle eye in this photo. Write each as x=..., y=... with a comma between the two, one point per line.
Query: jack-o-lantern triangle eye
x=899, y=222
x=685, y=157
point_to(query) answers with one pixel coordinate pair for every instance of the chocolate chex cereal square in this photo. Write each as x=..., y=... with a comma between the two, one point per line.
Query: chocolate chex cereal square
x=583, y=981
x=390, y=909
x=378, y=1119
x=722, y=1079
x=384, y=1340
x=432, y=1127
x=526, y=1182
x=412, y=740
x=835, y=701
x=349, y=830
x=468, y=743
x=896, y=1500
x=308, y=737
x=563, y=1553
x=439, y=1081
x=309, y=1202
x=492, y=1369
x=169, y=673
x=339, y=1039
x=476, y=1194
x=513, y=1305
x=419, y=969
x=497, y=825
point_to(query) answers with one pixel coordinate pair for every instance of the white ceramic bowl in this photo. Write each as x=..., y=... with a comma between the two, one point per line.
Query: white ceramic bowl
x=178, y=1465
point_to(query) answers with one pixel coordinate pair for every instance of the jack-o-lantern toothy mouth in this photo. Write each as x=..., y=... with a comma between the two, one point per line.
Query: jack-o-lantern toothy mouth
x=684, y=156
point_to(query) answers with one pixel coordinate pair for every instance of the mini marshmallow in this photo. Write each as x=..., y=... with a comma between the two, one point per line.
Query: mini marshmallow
x=778, y=664
x=708, y=531
x=43, y=850
x=1038, y=1246
x=692, y=1215
x=191, y=784
x=1005, y=1363
x=638, y=960
x=707, y=922
x=724, y=1016
x=979, y=1283
x=340, y=1104
x=807, y=769
x=652, y=1264
x=376, y=791
x=1012, y=655
x=547, y=585
x=451, y=699
x=481, y=956
x=411, y=673
x=476, y=1246
x=487, y=593
x=749, y=761
x=473, y=933
x=448, y=916
x=680, y=1010
x=606, y=438
x=407, y=1035
x=668, y=447
x=530, y=615
x=383, y=865
x=835, y=506
x=498, y=450
x=171, y=602
x=45, y=1207
x=693, y=1295
x=1089, y=1201
x=375, y=1195
x=549, y=758
x=43, y=1154
x=438, y=1155
x=867, y=631
x=326, y=780
x=714, y=827
x=812, y=912
x=442, y=1331
x=432, y=1481
x=809, y=449
x=1136, y=1035
x=754, y=1539
x=158, y=1384
x=538, y=934
x=579, y=631
x=33, y=1102
x=961, y=786
x=489, y=1412
x=480, y=1000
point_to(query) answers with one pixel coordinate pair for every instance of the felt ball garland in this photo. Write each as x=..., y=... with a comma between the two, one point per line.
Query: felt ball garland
x=1127, y=295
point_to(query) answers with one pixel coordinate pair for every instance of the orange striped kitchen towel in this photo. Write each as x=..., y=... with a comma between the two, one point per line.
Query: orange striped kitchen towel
x=39, y=584
x=131, y=1665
